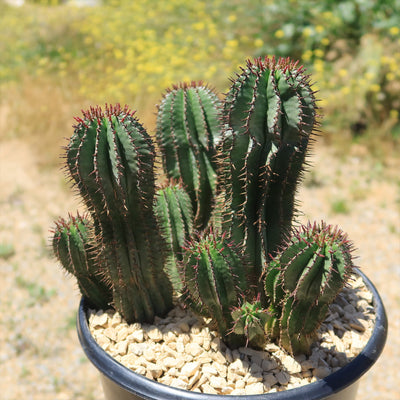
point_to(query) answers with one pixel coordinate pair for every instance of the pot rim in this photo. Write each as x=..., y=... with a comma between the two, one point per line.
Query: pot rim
x=148, y=389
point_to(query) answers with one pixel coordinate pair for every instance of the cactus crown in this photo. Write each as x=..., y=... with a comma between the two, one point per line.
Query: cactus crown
x=219, y=233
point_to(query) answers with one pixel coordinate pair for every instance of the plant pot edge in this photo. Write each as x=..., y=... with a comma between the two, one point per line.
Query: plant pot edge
x=148, y=389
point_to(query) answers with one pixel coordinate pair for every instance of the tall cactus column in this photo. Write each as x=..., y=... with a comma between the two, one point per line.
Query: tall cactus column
x=268, y=116
x=111, y=159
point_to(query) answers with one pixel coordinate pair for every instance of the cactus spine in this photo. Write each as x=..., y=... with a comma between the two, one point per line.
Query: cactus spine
x=187, y=129
x=111, y=159
x=303, y=279
x=73, y=248
x=268, y=115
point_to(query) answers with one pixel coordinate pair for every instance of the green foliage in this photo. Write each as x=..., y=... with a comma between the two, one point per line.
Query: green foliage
x=7, y=250
x=301, y=282
x=37, y=293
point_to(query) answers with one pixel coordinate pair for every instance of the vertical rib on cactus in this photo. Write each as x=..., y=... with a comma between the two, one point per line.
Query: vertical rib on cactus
x=269, y=115
x=303, y=279
x=174, y=213
x=214, y=279
x=73, y=248
x=187, y=129
x=111, y=159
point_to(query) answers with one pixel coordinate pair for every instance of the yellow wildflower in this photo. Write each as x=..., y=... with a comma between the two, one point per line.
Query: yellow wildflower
x=325, y=41
x=318, y=53
x=258, y=42
x=375, y=88
x=279, y=34
x=307, y=32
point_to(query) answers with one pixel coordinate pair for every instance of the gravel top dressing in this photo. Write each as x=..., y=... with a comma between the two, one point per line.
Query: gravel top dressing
x=183, y=351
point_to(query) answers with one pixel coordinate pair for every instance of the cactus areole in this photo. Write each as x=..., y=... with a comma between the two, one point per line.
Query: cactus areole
x=219, y=233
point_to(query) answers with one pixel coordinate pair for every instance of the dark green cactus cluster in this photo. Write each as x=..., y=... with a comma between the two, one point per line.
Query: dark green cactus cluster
x=218, y=233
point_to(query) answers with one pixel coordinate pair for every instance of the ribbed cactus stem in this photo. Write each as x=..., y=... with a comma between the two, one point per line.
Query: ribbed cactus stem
x=175, y=217
x=269, y=114
x=111, y=159
x=214, y=280
x=303, y=279
x=187, y=130
x=250, y=320
x=76, y=252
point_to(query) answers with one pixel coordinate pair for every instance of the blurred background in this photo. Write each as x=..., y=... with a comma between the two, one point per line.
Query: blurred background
x=58, y=57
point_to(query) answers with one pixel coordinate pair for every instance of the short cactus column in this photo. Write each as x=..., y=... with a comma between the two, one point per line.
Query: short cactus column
x=302, y=280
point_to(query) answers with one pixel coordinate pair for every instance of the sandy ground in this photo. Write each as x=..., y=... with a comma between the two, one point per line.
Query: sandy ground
x=40, y=357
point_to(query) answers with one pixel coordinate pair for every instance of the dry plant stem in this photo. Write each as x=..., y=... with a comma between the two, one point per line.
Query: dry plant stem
x=182, y=351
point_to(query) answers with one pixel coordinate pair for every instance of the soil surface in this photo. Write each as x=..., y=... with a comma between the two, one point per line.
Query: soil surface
x=40, y=357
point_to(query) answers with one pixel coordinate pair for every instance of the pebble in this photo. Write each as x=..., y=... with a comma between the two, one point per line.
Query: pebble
x=255, y=388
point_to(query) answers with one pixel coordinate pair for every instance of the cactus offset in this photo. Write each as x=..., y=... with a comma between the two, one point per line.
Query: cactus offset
x=73, y=248
x=111, y=159
x=250, y=319
x=303, y=279
x=187, y=129
x=269, y=115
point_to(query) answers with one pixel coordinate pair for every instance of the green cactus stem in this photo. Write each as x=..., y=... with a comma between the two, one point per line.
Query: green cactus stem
x=187, y=130
x=76, y=253
x=268, y=117
x=303, y=279
x=110, y=157
x=174, y=212
x=214, y=280
x=250, y=320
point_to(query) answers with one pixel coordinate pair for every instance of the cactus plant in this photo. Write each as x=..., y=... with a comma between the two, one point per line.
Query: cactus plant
x=219, y=233
x=111, y=159
x=74, y=249
x=187, y=130
x=214, y=278
x=303, y=279
x=269, y=115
